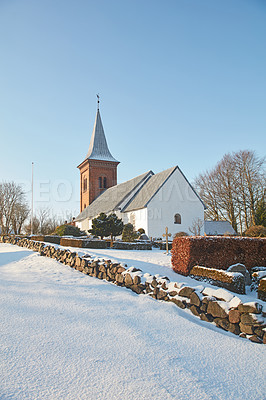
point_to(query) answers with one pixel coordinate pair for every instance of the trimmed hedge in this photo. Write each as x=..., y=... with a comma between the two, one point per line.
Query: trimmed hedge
x=233, y=281
x=52, y=239
x=89, y=244
x=95, y=244
x=132, y=246
x=38, y=238
x=216, y=252
x=262, y=289
x=162, y=245
x=71, y=242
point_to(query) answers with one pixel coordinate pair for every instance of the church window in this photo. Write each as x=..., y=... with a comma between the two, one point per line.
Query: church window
x=100, y=182
x=84, y=206
x=177, y=219
x=105, y=183
x=84, y=184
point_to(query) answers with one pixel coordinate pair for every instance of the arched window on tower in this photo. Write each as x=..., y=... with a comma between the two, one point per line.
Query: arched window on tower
x=100, y=182
x=105, y=182
x=84, y=184
x=177, y=219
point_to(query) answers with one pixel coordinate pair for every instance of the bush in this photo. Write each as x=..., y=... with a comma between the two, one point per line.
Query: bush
x=128, y=234
x=67, y=230
x=256, y=231
x=180, y=234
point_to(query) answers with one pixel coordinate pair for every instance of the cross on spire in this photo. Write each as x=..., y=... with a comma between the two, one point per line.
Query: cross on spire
x=98, y=101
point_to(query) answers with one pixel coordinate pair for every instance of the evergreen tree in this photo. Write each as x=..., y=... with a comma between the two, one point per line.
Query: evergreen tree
x=100, y=226
x=107, y=225
x=128, y=234
x=115, y=226
x=260, y=213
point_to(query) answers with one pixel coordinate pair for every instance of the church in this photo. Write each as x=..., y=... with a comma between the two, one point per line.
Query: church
x=149, y=201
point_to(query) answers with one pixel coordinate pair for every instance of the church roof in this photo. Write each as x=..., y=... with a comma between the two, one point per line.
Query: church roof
x=148, y=191
x=218, y=228
x=98, y=149
x=114, y=197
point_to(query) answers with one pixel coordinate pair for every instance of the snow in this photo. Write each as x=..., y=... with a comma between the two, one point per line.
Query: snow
x=234, y=303
x=65, y=335
x=218, y=293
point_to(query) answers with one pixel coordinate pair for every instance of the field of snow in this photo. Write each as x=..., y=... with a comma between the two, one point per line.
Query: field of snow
x=65, y=335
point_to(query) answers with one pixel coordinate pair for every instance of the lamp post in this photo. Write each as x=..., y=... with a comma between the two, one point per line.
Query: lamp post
x=31, y=224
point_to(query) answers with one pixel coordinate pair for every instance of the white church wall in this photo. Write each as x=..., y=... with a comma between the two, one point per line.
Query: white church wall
x=84, y=225
x=175, y=197
x=137, y=218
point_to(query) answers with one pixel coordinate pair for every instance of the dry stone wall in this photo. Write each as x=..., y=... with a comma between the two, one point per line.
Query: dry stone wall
x=233, y=281
x=217, y=306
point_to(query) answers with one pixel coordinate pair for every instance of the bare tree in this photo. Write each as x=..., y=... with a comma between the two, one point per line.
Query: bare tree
x=12, y=202
x=43, y=215
x=233, y=188
x=44, y=222
x=35, y=227
x=21, y=213
x=196, y=227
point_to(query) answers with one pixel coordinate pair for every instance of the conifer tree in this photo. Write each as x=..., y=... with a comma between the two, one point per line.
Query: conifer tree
x=260, y=213
x=106, y=225
x=128, y=234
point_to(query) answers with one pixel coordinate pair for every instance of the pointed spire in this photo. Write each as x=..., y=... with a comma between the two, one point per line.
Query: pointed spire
x=98, y=149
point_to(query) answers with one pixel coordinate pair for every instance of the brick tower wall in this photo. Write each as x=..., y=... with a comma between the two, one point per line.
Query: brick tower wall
x=92, y=170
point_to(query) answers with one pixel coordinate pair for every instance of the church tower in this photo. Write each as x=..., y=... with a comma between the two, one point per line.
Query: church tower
x=98, y=171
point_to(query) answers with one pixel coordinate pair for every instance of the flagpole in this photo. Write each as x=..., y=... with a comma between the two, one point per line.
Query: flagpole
x=31, y=225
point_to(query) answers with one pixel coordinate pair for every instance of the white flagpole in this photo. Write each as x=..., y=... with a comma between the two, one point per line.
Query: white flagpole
x=31, y=225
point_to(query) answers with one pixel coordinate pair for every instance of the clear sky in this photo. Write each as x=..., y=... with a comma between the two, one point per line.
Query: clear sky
x=181, y=82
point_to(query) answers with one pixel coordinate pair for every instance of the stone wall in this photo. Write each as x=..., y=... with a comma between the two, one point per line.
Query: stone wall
x=217, y=306
x=233, y=281
x=217, y=252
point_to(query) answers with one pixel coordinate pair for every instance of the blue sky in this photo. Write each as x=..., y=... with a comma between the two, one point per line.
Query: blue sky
x=182, y=82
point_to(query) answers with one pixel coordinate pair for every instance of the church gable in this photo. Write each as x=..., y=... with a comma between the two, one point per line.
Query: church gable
x=174, y=205
x=149, y=190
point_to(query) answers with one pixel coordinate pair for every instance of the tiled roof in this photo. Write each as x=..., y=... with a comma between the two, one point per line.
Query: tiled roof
x=113, y=197
x=218, y=228
x=146, y=193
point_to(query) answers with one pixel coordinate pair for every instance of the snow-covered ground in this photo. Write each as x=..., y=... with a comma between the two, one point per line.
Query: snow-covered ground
x=65, y=335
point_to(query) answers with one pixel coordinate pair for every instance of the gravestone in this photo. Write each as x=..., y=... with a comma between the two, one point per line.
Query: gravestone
x=242, y=269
